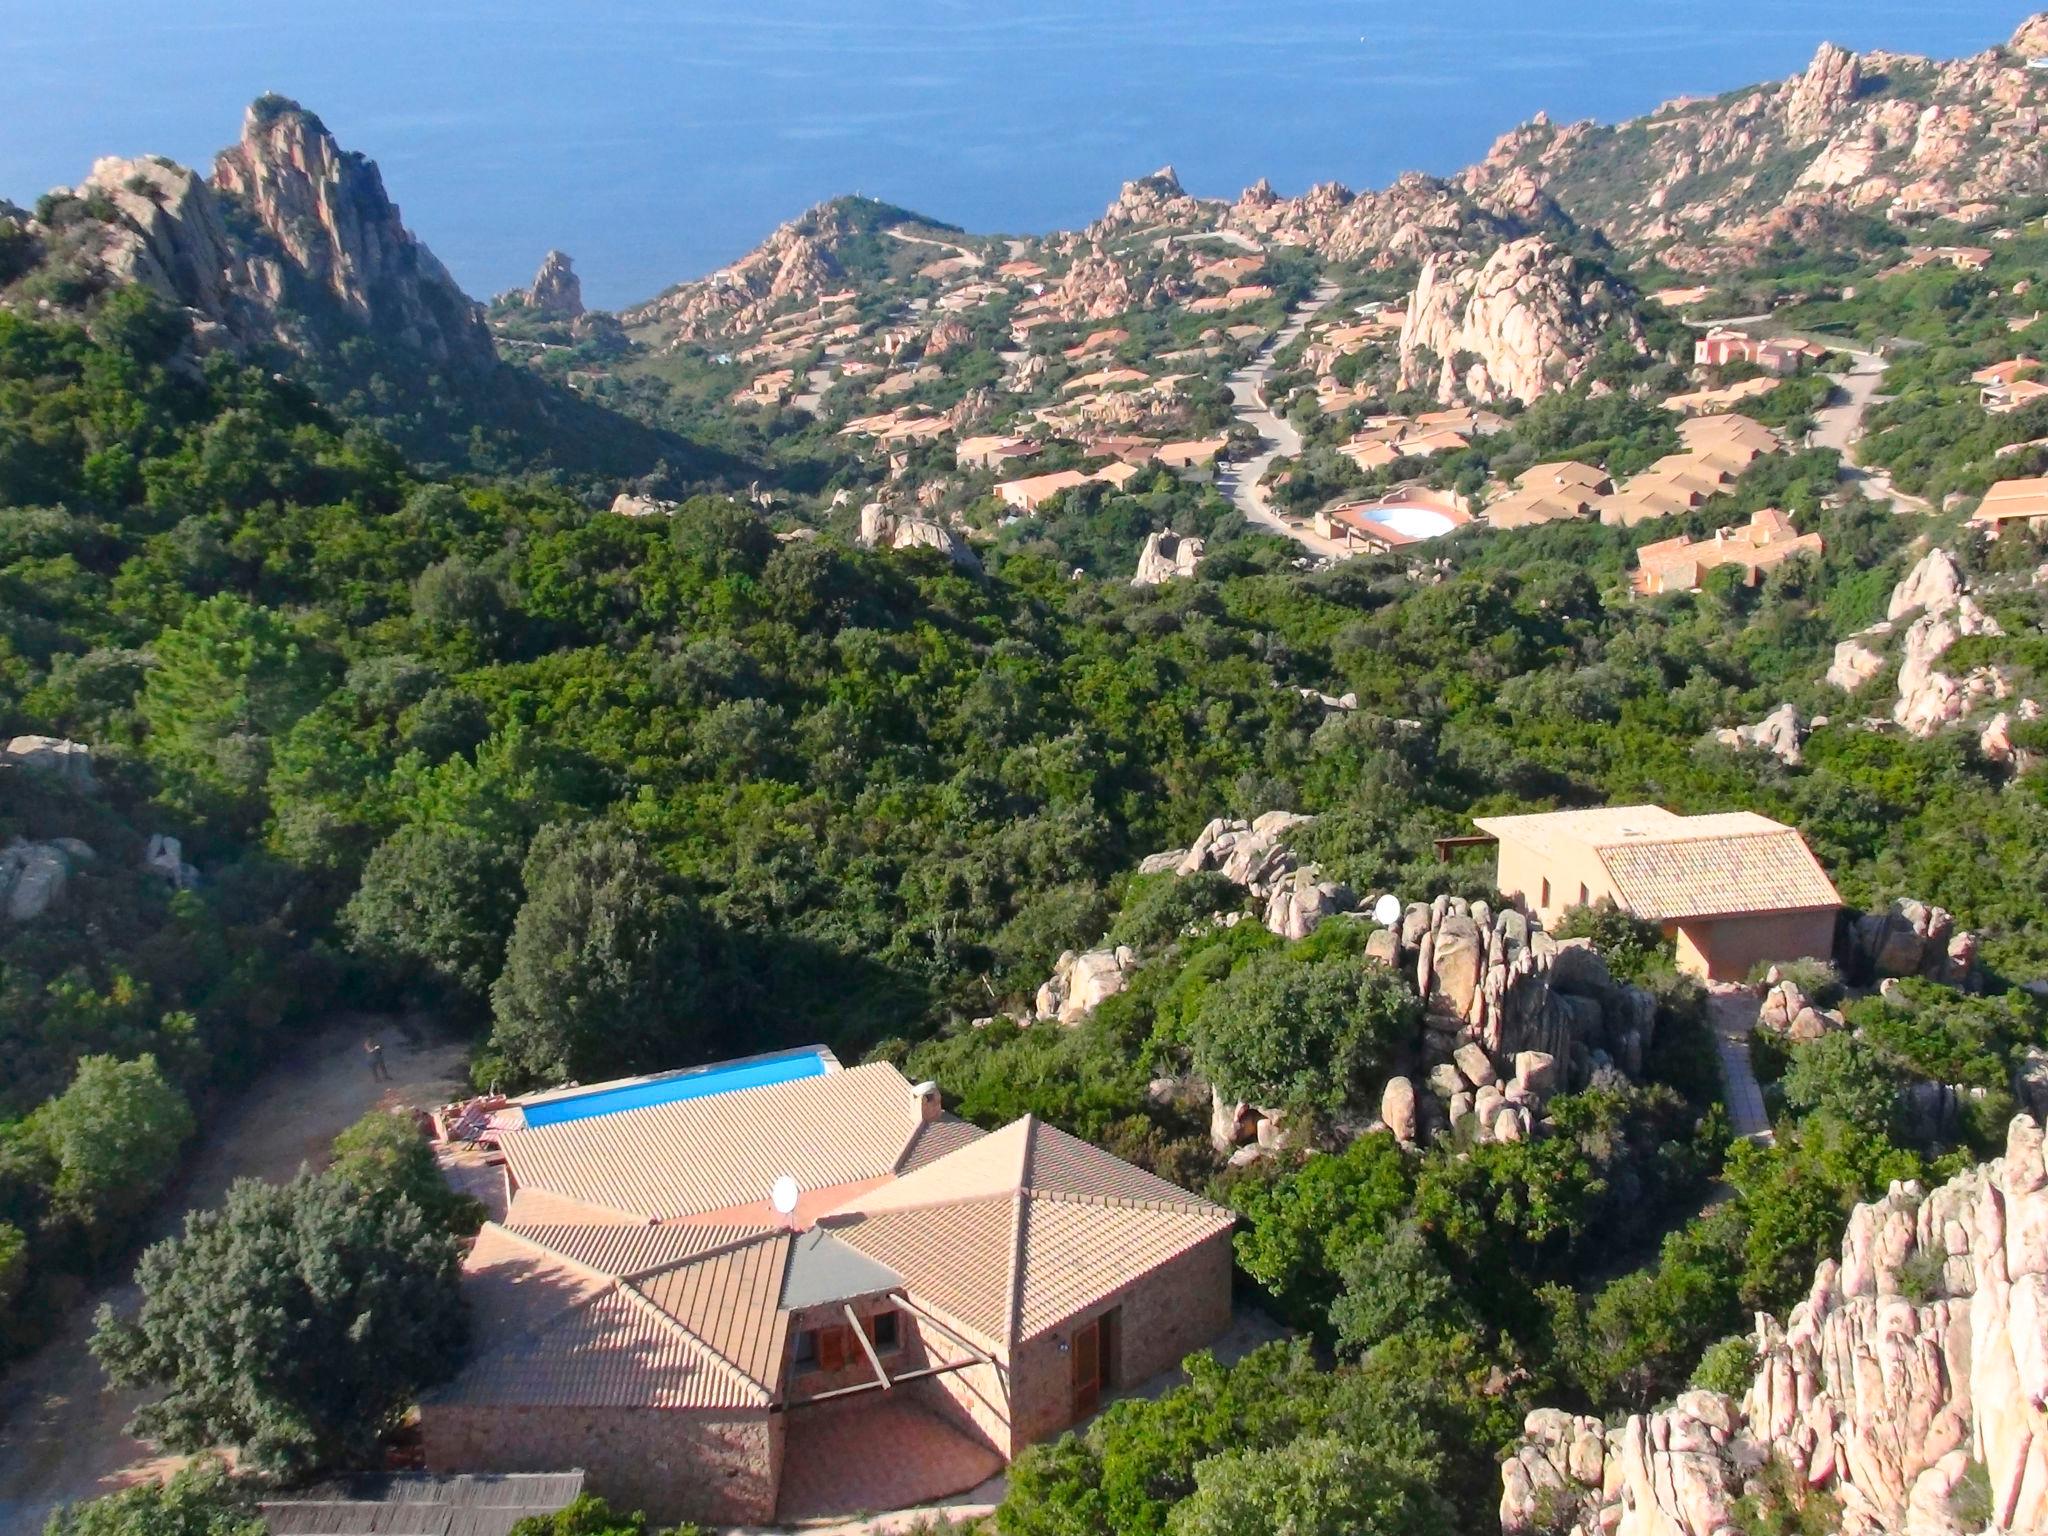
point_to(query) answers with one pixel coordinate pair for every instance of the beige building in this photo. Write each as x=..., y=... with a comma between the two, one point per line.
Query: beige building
x=1733, y=889
x=923, y=1301
x=2024, y=502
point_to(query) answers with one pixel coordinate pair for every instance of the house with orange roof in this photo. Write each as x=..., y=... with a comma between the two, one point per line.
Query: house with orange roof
x=1195, y=453
x=777, y=1289
x=2014, y=502
x=2004, y=399
x=1733, y=890
x=1679, y=564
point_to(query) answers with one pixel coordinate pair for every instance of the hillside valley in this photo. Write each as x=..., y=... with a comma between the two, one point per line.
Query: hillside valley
x=1428, y=804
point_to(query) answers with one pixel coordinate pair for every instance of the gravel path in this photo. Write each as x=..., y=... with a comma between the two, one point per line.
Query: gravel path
x=61, y=1428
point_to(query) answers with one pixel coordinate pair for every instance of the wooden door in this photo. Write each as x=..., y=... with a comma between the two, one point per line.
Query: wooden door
x=1087, y=1369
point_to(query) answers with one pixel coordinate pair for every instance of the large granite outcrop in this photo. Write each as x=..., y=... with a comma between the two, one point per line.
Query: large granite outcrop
x=1524, y=322
x=556, y=289
x=290, y=233
x=1920, y=1354
x=1511, y=1016
x=883, y=529
x=1709, y=184
x=1081, y=980
x=1166, y=557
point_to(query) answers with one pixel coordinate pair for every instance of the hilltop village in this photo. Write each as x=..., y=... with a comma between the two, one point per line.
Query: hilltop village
x=1364, y=863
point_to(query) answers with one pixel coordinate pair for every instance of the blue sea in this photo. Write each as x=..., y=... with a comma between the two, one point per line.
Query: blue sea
x=657, y=139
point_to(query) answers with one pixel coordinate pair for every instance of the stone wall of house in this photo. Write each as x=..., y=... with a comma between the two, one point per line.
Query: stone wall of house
x=1167, y=1314
x=1918, y=1361
x=713, y=1467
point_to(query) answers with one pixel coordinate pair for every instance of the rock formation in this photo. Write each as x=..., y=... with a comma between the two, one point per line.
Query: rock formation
x=1782, y=733
x=164, y=857
x=1518, y=325
x=1922, y=1351
x=290, y=223
x=883, y=529
x=556, y=289
x=1511, y=1016
x=1911, y=938
x=798, y=263
x=1080, y=981
x=69, y=762
x=1708, y=185
x=1166, y=555
x=33, y=875
x=1854, y=664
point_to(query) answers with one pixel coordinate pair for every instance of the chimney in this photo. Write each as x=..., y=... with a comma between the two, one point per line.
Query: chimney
x=928, y=1102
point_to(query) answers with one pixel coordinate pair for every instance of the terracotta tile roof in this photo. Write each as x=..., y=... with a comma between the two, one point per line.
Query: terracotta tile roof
x=936, y=1138
x=695, y=1155
x=732, y=1300
x=1666, y=868
x=614, y=1350
x=957, y=1259
x=1074, y=1257
x=533, y=1207
x=621, y=1250
x=1024, y=1227
x=550, y=1331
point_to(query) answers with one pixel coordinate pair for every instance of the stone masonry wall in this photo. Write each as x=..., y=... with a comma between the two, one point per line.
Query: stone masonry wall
x=719, y=1468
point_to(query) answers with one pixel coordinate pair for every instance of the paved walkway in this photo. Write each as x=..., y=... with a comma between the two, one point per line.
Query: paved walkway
x=1240, y=481
x=1732, y=1012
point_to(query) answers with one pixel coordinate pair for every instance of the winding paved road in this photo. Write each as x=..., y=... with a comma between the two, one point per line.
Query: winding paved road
x=1839, y=426
x=1239, y=479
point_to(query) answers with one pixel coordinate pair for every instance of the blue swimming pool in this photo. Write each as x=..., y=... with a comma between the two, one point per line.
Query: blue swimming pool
x=674, y=1087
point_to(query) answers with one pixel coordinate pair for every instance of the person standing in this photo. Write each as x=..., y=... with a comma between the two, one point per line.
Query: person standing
x=375, y=1052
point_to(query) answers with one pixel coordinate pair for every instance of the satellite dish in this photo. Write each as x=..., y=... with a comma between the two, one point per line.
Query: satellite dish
x=1387, y=910
x=782, y=1195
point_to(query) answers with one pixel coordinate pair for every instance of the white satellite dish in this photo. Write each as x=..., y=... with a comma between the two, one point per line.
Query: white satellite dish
x=782, y=1195
x=1387, y=910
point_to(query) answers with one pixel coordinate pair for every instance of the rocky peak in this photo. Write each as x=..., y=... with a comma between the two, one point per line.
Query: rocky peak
x=1155, y=199
x=2032, y=37
x=1259, y=196
x=1813, y=100
x=1520, y=324
x=556, y=290
x=327, y=210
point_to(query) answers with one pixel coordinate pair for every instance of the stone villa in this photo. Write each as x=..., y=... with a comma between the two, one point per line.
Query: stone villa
x=1733, y=889
x=786, y=1298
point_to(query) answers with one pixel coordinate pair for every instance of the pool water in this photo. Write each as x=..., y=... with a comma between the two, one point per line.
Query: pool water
x=675, y=1087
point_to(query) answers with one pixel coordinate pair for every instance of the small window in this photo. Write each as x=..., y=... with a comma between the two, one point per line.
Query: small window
x=1585, y=897
x=1544, y=904
x=807, y=1349
x=884, y=1333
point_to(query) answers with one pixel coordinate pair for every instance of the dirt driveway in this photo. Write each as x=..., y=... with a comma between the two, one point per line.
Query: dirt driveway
x=61, y=1434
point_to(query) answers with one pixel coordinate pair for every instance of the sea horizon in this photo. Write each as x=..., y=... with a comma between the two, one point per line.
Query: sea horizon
x=655, y=147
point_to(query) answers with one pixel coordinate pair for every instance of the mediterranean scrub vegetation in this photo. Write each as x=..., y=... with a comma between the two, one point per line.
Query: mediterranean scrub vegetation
x=615, y=794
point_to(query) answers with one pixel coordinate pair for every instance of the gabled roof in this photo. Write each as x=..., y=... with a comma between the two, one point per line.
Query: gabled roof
x=699, y=1155
x=1019, y=1230
x=1667, y=868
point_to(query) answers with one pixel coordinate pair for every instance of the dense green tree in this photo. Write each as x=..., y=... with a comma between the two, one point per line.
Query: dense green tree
x=200, y=1499
x=1303, y=1034
x=228, y=678
x=602, y=973
x=114, y=1136
x=296, y=1323
x=1321, y=1485
x=385, y=1158
x=440, y=899
x=589, y=1515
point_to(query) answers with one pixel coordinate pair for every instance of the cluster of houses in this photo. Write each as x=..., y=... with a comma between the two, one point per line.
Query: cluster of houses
x=1384, y=440
x=2005, y=387
x=1721, y=347
x=1717, y=450
x=1679, y=564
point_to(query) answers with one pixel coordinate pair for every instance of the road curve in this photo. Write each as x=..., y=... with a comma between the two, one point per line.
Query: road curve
x=1239, y=479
